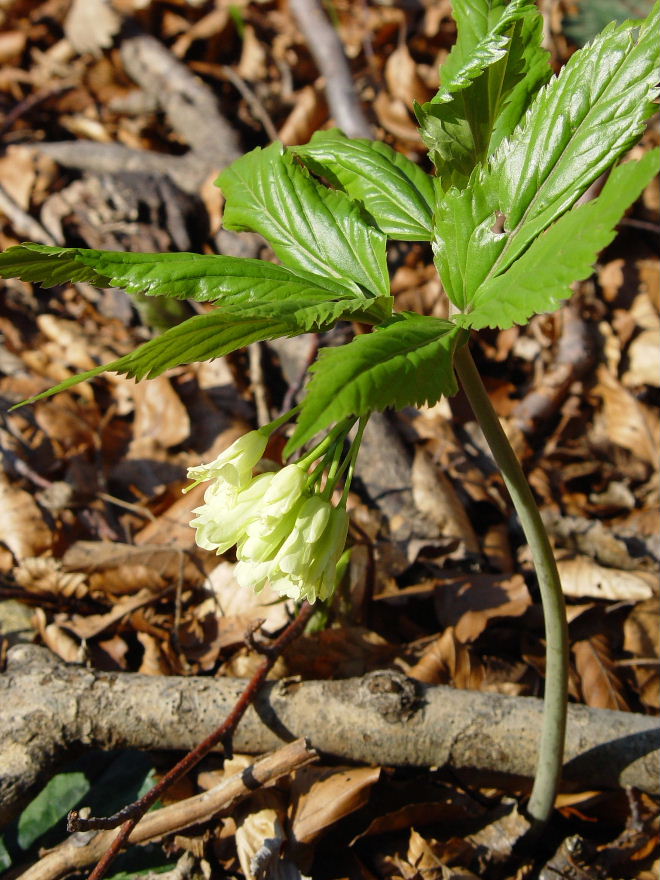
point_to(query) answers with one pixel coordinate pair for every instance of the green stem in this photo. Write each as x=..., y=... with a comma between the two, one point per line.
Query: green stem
x=551, y=747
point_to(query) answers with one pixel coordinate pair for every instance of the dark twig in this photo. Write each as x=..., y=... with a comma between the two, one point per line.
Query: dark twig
x=325, y=45
x=129, y=816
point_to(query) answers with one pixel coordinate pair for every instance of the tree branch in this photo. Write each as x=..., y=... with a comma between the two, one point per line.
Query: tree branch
x=51, y=710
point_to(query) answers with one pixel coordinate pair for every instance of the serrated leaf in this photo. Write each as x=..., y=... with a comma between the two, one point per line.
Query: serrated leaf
x=309, y=226
x=407, y=362
x=577, y=126
x=225, y=280
x=488, y=80
x=395, y=191
x=219, y=332
x=541, y=278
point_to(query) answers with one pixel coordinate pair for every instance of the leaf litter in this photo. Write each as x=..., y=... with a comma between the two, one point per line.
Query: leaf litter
x=94, y=532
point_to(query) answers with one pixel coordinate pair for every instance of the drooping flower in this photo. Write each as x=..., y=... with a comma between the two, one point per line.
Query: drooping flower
x=234, y=466
x=285, y=529
x=224, y=517
x=306, y=564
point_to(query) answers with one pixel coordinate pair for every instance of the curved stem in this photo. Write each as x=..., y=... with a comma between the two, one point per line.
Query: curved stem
x=551, y=747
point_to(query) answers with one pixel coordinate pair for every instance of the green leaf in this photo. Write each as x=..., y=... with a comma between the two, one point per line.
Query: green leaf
x=406, y=362
x=541, y=278
x=219, y=332
x=495, y=67
x=61, y=794
x=310, y=227
x=395, y=191
x=225, y=280
x=577, y=126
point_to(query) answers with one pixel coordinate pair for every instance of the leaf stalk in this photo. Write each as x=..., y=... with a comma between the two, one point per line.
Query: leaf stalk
x=553, y=730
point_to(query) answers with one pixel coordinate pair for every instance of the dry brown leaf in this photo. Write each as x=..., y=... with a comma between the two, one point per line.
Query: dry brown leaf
x=394, y=116
x=625, y=421
x=447, y=661
x=260, y=837
x=403, y=81
x=468, y=603
x=321, y=797
x=341, y=652
x=91, y=625
x=643, y=360
x=123, y=568
x=583, y=577
x=55, y=638
x=17, y=172
x=91, y=25
x=641, y=638
x=599, y=681
x=153, y=661
x=22, y=526
x=161, y=419
x=253, y=63
x=435, y=496
x=309, y=112
x=44, y=574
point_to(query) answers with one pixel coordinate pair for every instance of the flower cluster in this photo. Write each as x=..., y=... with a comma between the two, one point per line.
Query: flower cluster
x=284, y=530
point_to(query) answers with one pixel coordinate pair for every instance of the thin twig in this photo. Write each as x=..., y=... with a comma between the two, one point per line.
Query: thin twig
x=328, y=52
x=81, y=850
x=129, y=816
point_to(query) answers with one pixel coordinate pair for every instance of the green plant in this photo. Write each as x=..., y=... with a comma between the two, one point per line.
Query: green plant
x=514, y=149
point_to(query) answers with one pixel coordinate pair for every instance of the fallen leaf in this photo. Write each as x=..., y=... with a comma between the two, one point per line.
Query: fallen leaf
x=22, y=527
x=599, y=680
x=582, y=577
x=625, y=421
x=468, y=603
x=321, y=797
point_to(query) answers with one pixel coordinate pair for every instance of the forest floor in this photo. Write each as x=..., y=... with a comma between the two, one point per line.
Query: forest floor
x=97, y=559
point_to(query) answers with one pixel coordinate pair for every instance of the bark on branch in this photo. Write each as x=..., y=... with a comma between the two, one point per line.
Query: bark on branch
x=50, y=710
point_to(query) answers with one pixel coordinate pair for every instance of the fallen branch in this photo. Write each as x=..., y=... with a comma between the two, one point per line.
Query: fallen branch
x=50, y=710
x=222, y=798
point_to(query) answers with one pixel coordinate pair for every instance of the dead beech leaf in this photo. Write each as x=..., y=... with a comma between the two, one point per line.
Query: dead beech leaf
x=625, y=421
x=599, y=681
x=309, y=112
x=394, y=116
x=22, y=526
x=123, y=568
x=435, y=496
x=641, y=638
x=55, y=638
x=17, y=172
x=583, y=577
x=44, y=574
x=91, y=25
x=643, y=360
x=402, y=78
x=322, y=797
x=341, y=652
x=161, y=419
x=431, y=859
x=91, y=625
x=260, y=836
x=447, y=661
x=468, y=603
x=153, y=661
x=253, y=63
